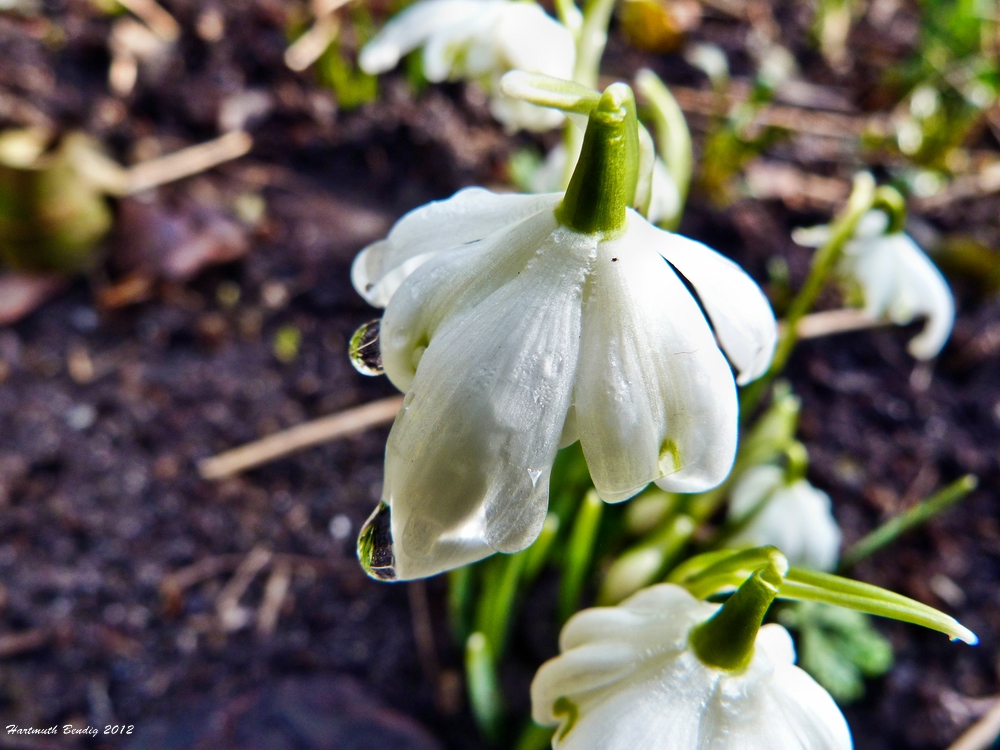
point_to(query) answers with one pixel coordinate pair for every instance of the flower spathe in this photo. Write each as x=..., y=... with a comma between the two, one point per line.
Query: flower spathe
x=897, y=279
x=627, y=678
x=795, y=517
x=479, y=40
x=518, y=324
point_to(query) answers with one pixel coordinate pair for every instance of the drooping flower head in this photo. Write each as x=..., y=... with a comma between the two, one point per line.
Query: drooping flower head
x=896, y=278
x=479, y=40
x=792, y=515
x=517, y=324
x=632, y=677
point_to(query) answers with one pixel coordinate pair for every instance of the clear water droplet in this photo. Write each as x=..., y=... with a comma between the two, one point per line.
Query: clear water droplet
x=364, y=349
x=375, y=545
x=535, y=475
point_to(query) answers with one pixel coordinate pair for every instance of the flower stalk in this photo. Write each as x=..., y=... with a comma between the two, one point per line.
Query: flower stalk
x=726, y=640
x=603, y=183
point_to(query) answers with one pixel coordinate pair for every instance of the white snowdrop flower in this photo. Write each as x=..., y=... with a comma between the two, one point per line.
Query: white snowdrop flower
x=795, y=517
x=479, y=40
x=896, y=277
x=518, y=324
x=664, y=201
x=628, y=677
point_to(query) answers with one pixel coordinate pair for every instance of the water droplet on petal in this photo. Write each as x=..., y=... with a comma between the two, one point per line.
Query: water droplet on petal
x=364, y=349
x=375, y=545
x=535, y=475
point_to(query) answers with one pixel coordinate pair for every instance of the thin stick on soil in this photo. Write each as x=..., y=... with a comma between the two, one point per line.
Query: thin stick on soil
x=186, y=162
x=316, y=432
x=982, y=734
x=155, y=17
x=227, y=603
x=829, y=322
x=308, y=48
x=275, y=593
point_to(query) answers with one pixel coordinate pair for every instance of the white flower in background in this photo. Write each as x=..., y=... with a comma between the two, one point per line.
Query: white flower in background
x=627, y=678
x=514, y=336
x=664, y=201
x=896, y=277
x=794, y=517
x=479, y=40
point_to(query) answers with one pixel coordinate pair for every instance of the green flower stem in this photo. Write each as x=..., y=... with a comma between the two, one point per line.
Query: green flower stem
x=645, y=563
x=726, y=641
x=767, y=439
x=538, y=553
x=915, y=516
x=591, y=41
x=604, y=180
x=797, y=462
x=485, y=697
x=460, y=602
x=713, y=572
x=860, y=202
x=579, y=552
x=672, y=135
x=812, y=586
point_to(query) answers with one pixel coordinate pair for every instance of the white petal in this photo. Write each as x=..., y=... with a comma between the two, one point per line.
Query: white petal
x=533, y=41
x=797, y=519
x=740, y=313
x=752, y=487
x=655, y=398
x=665, y=201
x=901, y=282
x=412, y=28
x=630, y=681
x=469, y=215
x=469, y=456
x=448, y=284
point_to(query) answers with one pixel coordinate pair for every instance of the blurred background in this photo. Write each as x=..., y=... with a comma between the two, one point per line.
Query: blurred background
x=183, y=187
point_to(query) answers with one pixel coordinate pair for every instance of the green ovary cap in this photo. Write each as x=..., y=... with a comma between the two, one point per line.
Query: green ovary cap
x=603, y=183
x=726, y=640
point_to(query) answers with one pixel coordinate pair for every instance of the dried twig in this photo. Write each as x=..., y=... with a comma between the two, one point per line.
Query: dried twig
x=307, y=49
x=797, y=119
x=275, y=592
x=301, y=436
x=186, y=162
x=987, y=181
x=13, y=644
x=829, y=322
x=227, y=603
x=982, y=734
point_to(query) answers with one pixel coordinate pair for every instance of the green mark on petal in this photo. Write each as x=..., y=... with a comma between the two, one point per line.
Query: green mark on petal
x=670, y=457
x=565, y=707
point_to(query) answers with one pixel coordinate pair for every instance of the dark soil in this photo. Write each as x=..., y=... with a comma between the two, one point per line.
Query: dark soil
x=104, y=414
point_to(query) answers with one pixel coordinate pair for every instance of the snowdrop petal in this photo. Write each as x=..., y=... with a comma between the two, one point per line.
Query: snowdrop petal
x=666, y=698
x=449, y=284
x=469, y=456
x=795, y=518
x=902, y=283
x=740, y=313
x=412, y=28
x=533, y=41
x=656, y=400
x=467, y=216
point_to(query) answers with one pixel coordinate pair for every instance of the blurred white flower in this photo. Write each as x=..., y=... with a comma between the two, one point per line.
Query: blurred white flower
x=896, y=277
x=479, y=40
x=513, y=336
x=627, y=679
x=794, y=517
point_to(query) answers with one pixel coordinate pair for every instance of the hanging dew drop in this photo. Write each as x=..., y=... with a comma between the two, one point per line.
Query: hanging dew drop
x=534, y=475
x=364, y=349
x=375, y=545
